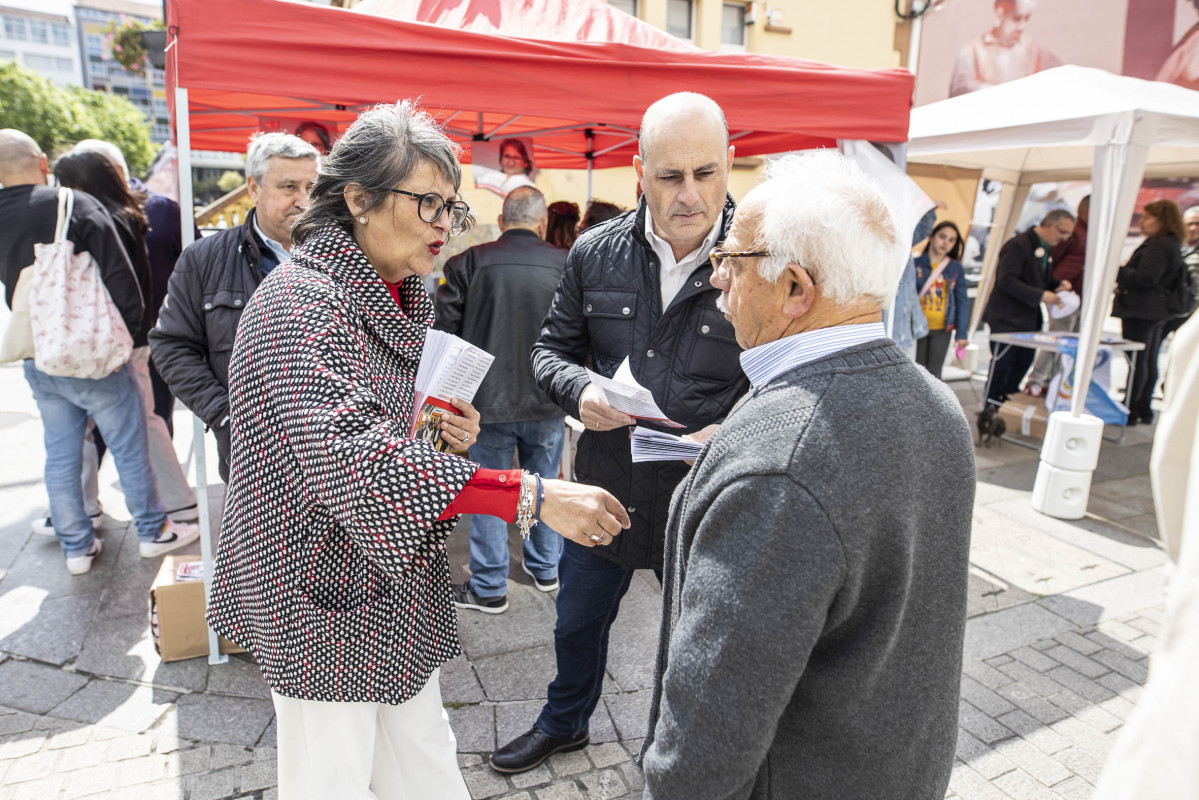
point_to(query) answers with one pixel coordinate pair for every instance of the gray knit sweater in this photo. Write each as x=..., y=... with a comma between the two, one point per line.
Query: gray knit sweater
x=815, y=591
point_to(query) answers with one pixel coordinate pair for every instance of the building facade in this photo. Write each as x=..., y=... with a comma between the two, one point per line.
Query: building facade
x=40, y=35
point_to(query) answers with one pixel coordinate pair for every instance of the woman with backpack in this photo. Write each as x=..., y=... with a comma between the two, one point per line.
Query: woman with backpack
x=1142, y=286
x=941, y=282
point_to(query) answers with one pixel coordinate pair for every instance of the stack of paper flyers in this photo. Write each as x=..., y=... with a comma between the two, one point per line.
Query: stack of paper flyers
x=449, y=367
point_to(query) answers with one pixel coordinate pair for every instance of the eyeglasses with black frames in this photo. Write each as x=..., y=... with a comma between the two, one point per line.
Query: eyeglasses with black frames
x=721, y=258
x=430, y=205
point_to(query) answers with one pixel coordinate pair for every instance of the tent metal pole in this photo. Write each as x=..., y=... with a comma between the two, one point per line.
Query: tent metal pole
x=188, y=226
x=590, y=159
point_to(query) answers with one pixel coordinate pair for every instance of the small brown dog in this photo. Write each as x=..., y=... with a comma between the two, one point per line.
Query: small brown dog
x=990, y=426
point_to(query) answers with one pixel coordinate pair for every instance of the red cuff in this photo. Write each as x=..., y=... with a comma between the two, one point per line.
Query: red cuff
x=491, y=491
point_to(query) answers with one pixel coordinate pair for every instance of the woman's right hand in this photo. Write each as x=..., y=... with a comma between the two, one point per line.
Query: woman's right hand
x=587, y=515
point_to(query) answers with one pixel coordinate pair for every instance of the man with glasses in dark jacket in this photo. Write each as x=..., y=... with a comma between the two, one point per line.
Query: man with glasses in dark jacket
x=214, y=278
x=634, y=288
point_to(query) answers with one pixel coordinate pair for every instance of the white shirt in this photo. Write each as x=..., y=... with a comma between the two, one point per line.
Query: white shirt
x=764, y=363
x=673, y=274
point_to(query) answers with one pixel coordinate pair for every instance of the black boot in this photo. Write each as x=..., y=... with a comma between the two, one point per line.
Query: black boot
x=528, y=750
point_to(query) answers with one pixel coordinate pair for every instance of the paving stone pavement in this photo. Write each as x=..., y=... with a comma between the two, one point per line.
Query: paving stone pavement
x=1063, y=619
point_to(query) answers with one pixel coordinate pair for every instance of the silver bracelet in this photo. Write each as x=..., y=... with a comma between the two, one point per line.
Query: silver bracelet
x=524, y=507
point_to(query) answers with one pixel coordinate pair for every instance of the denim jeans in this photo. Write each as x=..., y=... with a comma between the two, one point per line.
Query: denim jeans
x=589, y=595
x=538, y=446
x=115, y=404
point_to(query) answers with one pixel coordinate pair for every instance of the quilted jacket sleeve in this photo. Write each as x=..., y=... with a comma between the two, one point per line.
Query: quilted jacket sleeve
x=563, y=347
x=299, y=383
x=179, y=343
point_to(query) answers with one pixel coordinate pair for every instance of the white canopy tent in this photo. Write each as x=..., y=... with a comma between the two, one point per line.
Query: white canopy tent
x=1067, y=123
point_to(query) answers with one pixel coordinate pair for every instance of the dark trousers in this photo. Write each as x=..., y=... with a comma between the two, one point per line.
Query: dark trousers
x=1007, y=371
x=931, y=350
x=1140, y=389
x=589, y=595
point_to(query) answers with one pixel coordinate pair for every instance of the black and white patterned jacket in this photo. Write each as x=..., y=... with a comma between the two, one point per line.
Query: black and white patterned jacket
x=332, y=569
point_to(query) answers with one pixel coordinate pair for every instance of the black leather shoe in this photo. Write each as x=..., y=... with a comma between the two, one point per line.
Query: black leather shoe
x=528, y=750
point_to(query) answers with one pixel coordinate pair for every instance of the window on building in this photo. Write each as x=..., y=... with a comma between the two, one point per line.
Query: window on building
x=95, y=43
x=627, y=6
x=732, y=26
x=39, y=31
x=121, y=90
x=38, y=62
x=14, y=28
x=64, y=65
x=678, y=18
x=61, y=34
x=8, y=54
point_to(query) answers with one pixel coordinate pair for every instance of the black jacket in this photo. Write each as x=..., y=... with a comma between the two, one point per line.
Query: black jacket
x=28, y=215
x=1141, y=285
x=135, y=247
x=495, y=296
x=607, y=307
x=197, y=324
x=1020, y=280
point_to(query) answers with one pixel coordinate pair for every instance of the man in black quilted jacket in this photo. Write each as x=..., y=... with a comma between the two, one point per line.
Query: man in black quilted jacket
x=634, y=288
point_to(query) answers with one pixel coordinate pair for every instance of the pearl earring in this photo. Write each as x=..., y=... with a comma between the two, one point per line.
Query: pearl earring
x=362, y=220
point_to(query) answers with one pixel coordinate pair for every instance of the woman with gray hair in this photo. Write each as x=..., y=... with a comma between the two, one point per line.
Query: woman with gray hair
x=332, y=569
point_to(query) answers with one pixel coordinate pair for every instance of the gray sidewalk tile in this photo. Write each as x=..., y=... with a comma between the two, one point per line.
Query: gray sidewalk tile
x=459, y=684
x=985, y=674
x=1109, y=599
x=1043, y=737
x=534, y=777
x=980, y=725
x=604, y=784
x=1032, y=703
x=1028, y=758
x=116, y=705
x=211, y=718
x=1092, y=690
x=986, y=761
x=1083, y=763
x=983, y=698
x=1022, y=786
x=1076, y=661
x=630, y=713
x=567, y=764
x=34, y=687
x=528, y=622
x=986, y=593
x=563, y=790
x=239, y=676
x=1074, y=789
x=1132, y=670
x=1006, y=630
x=1038, y=660
x=484, y=782
x=474, y=727
x=969, y=785
x=54, y=631
x=517, y=675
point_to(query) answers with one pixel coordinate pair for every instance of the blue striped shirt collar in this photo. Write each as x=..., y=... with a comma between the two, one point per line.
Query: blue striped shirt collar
x=764, y=363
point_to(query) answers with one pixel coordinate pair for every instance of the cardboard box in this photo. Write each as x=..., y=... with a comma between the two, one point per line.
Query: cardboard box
x=1025, y=415
x=177, y=615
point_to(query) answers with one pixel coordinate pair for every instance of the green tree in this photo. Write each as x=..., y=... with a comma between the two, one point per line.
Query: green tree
x=56, y=117
x=229, y=181
x=99, y=115
x=30, y=103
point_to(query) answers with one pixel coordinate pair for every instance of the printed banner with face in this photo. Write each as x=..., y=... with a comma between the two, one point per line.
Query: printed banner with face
x=502, y=165
x=967, y=45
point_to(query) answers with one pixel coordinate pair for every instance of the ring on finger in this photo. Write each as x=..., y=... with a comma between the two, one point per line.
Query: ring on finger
x=597, y=539
x=465, y=438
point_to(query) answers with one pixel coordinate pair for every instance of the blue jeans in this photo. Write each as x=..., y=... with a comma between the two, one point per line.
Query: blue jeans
x=538, y=445
x=115, y=404
x=589, y=595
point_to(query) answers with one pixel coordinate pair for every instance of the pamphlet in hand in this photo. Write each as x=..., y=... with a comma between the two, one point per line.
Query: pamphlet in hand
x=449, y=367
x=629, y=397
x=651, y=445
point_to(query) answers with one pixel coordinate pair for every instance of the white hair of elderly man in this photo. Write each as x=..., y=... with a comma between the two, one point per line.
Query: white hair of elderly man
x=821, y=211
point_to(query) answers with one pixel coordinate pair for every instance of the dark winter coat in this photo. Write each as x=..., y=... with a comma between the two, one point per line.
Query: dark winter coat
x=607, y=308
x=495, y=296
x=1021, y=278
x=1141, y=285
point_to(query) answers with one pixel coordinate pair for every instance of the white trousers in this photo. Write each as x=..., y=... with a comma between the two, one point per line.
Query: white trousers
x=368, y=751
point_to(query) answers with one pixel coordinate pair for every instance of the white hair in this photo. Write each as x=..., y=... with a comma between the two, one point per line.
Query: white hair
x=106, y=149
x=1193, y=211
x=821, y=211
x=265, y=146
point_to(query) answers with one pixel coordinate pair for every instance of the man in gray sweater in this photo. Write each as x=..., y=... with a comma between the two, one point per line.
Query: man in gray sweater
x=816, y=556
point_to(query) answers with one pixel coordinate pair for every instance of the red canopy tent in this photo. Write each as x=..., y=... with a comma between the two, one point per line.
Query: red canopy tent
x=247, y=63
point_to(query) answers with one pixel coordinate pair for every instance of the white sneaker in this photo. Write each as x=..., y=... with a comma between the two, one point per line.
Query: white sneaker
x=174, y=535
x=80, y=565
x=45, y=526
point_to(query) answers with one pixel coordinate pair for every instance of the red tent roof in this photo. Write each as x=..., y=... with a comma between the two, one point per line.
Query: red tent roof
x=253, y=64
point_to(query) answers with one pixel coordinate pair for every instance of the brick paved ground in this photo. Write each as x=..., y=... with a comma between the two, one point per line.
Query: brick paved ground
x=1062, y=618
